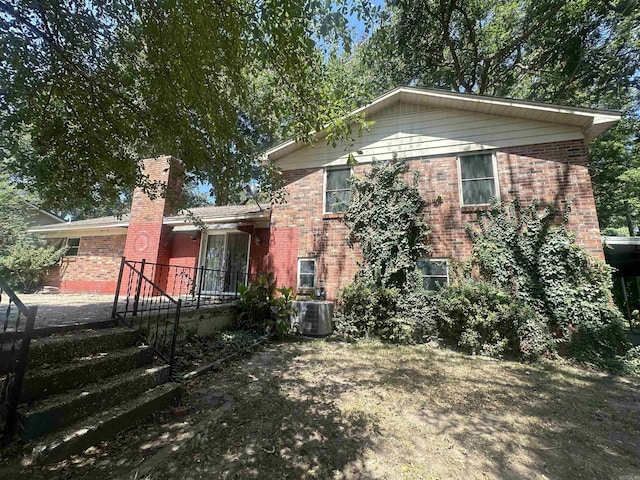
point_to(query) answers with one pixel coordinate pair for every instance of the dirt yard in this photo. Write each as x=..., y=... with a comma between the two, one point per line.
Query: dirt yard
x=367, y=411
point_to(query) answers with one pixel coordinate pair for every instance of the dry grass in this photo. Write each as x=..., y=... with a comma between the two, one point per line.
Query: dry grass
x=332, y=410
x=339, y=411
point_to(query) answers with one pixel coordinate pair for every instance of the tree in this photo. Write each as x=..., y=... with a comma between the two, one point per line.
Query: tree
x=615, y=171
x=511, y=47
x=87, y=89
x=23, y=255
x=578, y=52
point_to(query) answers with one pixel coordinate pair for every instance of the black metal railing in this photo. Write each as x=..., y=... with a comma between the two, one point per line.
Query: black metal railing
x=150, y=296
x=195, y=286
x=18, y=322
x=149, y=309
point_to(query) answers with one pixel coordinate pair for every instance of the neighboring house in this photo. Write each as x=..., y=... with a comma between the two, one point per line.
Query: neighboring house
x=466, y=149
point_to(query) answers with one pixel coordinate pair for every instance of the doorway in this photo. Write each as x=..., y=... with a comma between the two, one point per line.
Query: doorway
x=226, y=261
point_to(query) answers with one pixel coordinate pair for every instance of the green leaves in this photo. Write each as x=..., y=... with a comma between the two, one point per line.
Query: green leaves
x=385, y=218
x=23, y=256
x=93, y=87
x=263, y=307
x=526, y=253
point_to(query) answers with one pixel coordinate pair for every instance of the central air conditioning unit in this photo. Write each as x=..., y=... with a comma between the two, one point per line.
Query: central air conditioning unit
x=314, y=318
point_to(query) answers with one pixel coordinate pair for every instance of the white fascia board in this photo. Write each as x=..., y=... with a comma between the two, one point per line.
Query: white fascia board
x=73, y=228
x=234, y=218
x=85, y=232
x=613, y=240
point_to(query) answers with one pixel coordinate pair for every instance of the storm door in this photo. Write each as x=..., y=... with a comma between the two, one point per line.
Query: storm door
x=226, y=262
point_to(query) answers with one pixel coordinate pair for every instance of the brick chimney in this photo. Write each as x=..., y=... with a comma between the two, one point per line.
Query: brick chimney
x=147, y=237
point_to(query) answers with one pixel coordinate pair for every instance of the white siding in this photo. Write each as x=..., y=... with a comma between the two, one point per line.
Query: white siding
x=415, y=131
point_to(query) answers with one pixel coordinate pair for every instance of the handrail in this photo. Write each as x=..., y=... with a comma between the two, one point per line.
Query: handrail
x=158, y=309
x=21, y=306
x=156, y=287
x=12, y=387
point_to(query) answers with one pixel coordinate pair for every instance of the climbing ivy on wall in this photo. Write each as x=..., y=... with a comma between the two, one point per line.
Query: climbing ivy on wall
x=528, y=252
x=385, y=217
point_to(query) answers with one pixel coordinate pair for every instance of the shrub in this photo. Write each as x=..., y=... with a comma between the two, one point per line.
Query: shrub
x=263, y=307
x=366, y=309
x=524, y=252
x=480, y=318
x=419, y=309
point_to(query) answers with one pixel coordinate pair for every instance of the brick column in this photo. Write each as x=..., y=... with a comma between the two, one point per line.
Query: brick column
x=147, y=237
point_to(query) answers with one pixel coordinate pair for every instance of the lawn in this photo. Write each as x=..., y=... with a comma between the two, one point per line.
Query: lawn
x=332, y=410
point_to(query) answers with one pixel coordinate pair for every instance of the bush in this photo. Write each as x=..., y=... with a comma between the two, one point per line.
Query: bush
x=481, y=319
x=369, y=310
x=525, y=252
x=24, y=263
x=419, y=308
x=366, y=309
x=264, y=308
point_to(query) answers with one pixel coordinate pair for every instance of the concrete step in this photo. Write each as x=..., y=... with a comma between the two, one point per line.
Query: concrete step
x=52, y=380
x=55, y=350
x=59, y=411
x=104, y=425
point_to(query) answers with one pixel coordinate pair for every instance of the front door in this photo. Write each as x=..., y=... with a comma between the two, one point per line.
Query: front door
x=226, y=260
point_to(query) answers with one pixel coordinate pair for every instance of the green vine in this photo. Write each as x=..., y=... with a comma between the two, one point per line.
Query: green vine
x=529, y=253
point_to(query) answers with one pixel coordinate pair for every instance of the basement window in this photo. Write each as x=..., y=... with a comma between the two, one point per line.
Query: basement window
x=435, y=273
x=306, y=273
x=73, y=244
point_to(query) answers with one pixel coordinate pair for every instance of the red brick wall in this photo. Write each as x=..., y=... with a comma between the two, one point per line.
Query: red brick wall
x=554, y=172
x=147, y=238
x=299, y=229
x=94, y=270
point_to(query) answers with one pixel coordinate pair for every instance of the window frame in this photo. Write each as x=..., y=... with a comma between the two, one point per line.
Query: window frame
x=496, y=183
x=315, y=273
x=324, y=188
x=69, y=248
x=442, y=260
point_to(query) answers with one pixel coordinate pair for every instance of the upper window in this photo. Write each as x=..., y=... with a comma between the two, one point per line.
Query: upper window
x=73, y=244
x=337, y=190
x=478, y=181
x=435, y=273
x=306, y=273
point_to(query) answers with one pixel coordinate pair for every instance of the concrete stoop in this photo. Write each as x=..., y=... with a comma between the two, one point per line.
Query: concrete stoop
x=83, y=387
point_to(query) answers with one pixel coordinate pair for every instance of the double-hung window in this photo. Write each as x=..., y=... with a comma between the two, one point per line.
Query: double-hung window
x=337, y=190
x=478, y=179
x=73, y=244
x=435, y=273
x=306, y=273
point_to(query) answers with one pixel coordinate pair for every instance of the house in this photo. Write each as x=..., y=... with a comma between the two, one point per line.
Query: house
x=466, y=149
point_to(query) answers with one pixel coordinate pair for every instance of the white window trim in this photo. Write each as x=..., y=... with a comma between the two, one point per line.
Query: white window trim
x=429, y=259
x=494, y=163
x=324, y=187
x=315, y=273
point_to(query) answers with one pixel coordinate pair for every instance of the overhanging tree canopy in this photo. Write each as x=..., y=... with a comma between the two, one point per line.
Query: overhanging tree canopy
x=88, y=88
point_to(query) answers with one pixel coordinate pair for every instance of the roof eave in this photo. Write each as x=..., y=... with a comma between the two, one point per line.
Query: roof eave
x=593, y=122
x=70, y=228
